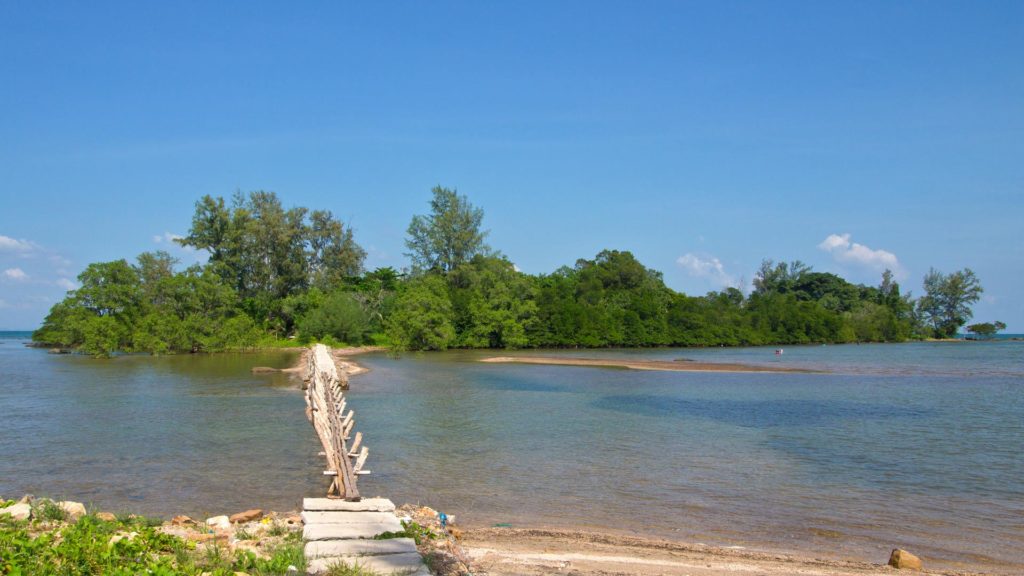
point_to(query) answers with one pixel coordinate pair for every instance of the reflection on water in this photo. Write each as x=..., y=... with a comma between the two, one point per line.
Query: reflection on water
x=912, y=445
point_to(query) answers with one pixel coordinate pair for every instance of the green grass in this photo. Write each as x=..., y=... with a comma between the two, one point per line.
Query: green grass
x=410, y=530
x=48, y=510
x=28, y=547
x=346, y=569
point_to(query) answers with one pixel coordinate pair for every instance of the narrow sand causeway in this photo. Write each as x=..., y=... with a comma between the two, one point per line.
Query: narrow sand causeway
x=684, y=366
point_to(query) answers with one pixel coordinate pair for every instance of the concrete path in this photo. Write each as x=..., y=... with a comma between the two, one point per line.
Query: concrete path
x=337, y=531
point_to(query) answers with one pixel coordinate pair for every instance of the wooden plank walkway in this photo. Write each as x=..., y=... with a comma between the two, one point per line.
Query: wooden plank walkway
x=340, y=531
x=340, y=528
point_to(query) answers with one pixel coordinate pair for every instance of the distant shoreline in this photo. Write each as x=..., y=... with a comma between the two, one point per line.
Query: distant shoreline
x=660, y=365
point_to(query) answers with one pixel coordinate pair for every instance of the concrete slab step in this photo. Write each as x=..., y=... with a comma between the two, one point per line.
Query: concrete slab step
x=364, y=505
x=322, y=548
x=388, y=564
x=350, y=518
x=311, y=532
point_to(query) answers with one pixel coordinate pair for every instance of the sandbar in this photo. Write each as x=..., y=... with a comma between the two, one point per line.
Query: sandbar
x=663, y=365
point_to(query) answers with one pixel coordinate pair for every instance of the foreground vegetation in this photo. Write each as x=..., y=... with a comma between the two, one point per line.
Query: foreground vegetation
x=274, y=275
x=125, y=546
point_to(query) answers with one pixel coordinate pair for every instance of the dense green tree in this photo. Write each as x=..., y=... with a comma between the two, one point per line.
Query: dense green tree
x=447, y=237
x=946, y=305
x=341, y=316
x=986, y=330
x=294, y=272
x=422, y=316
x=268, y=253
x=493, y=304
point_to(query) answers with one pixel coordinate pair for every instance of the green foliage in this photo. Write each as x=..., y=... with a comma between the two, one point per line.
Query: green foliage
x=85, y=548
x=946, y=305
x=338, y=315
x=280, y=277
x=342, y=568
x=410, y=529
x=422, y=316
x=46, y=509
x=449, y=236
x=986, y=330
x=267, y=253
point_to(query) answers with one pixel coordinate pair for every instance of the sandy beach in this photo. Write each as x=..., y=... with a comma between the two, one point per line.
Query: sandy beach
x=642, y=364
x=534, y=552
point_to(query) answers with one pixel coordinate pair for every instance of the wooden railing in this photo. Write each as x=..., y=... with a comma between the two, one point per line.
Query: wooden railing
x=325, y=409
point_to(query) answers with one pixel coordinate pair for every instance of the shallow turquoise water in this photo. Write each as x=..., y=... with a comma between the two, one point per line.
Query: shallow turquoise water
x=914, y=445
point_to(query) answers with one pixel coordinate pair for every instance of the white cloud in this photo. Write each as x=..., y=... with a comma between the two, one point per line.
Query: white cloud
x=15, y=274
x=66, y=284
x=8, y=244
x=710, y=268
x=846, y=252
x=167, y=237
x=170, y=239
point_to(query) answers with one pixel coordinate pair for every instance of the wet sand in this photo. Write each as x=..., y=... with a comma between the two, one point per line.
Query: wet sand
x=643, y=364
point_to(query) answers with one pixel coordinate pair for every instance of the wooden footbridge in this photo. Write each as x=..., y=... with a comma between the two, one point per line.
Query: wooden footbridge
x=340, y=528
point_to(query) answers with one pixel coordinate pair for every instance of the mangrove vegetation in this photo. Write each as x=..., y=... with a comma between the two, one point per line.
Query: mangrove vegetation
x=275, y=276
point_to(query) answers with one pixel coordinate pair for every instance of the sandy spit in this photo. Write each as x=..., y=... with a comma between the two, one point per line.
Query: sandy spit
x=642, y=364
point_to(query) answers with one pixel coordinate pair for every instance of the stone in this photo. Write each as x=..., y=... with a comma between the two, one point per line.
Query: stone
x=26, y=499
x=106, y=517
x=904, y=560
x=386, y=518
x=199, y=537
x=386, y=564
x=345, y=531
x=364, y=505
x=129, y=536
x=221, y=522
x=74, y=510
x=328, y=548
x=18, y=511
x=293, y=520
x=182, y=520
x=247, y=516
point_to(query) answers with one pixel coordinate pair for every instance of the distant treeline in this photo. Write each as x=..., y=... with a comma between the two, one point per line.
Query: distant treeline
x=275, y=275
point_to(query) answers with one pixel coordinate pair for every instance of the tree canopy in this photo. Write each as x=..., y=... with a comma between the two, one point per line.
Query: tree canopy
x=275, y=273
x=946, y=305
x=447, y=237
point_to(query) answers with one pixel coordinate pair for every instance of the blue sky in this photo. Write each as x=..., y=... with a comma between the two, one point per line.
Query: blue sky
x=702, y=136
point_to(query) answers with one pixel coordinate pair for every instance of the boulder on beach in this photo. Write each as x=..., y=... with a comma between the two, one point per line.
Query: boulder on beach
x=904, y=560
x=73, y=510
x=182, y=521
x=221, y=522
x=247, y=516
x=20, y=511
x=106, y=517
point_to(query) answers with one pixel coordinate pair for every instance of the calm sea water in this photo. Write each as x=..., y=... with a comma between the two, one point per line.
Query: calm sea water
x=912, y=445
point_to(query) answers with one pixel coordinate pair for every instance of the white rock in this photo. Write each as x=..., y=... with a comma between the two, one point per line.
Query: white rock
x=18, y=511
x=221, y=522
x=122, y=536
x=74, y=510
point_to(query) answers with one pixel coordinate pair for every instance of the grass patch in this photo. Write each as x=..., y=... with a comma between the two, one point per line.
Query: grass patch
x=346, y=569
x=48, y=510
x=37, y=547
x=411, y=530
